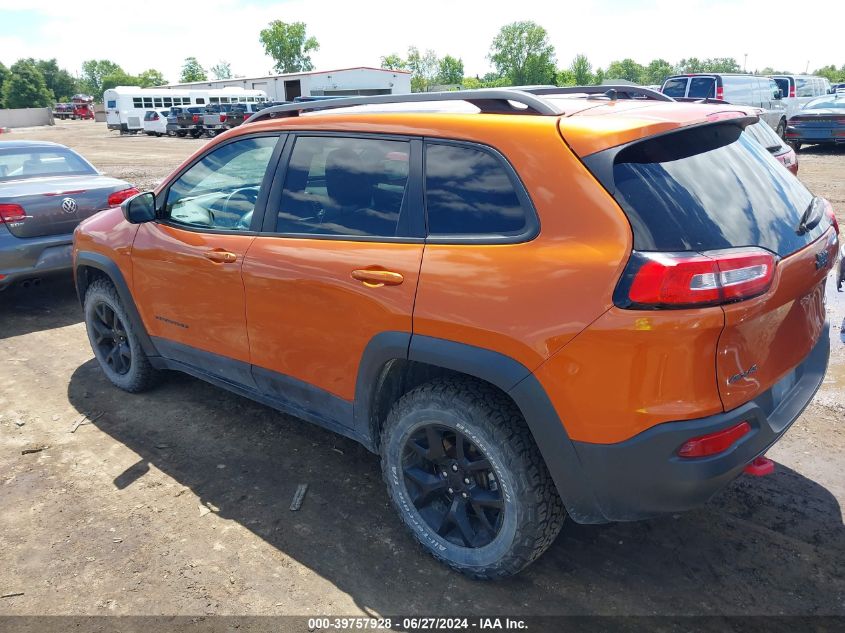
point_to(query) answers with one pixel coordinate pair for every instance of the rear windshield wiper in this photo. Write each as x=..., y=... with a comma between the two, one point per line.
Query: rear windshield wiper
x=810, y=218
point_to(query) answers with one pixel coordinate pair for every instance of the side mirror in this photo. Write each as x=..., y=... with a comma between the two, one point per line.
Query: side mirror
x=140, y=208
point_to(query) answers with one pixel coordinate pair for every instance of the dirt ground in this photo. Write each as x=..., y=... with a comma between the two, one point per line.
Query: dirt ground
x=176, y=501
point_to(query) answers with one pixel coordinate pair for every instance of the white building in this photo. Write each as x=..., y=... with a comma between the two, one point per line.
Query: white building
x=342, y=82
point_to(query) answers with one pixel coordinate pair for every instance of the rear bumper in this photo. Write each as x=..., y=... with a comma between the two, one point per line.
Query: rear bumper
x=644, y=477
x=25, y=258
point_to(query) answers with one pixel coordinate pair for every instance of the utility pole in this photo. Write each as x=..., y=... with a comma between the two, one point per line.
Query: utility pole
x=745, y=63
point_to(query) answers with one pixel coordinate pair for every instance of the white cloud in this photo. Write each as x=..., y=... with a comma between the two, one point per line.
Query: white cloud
x=358, y=33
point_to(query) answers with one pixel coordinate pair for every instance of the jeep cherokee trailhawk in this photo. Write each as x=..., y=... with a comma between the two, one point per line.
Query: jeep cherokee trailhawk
x=529, y=302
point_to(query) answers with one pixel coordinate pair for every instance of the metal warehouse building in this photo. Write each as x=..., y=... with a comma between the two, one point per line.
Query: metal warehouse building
x=345, y=81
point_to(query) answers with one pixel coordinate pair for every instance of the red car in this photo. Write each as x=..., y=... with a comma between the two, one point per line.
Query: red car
x=768, y=138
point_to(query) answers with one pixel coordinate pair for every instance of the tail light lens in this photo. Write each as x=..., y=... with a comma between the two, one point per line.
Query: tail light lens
x=222, y=118
x=714, y=443
x=195, y=118
x=720, y=92
x=830, y=214
x=116, y=198
x=12, y=213
x=792, y=92
x=680, y=280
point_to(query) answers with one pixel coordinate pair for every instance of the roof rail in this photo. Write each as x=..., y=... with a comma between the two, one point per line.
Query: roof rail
x=611, y=92
x=488, y=100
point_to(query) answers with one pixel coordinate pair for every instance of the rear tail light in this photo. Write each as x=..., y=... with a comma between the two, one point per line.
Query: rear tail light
x=714, y=443
x=222, y=118
x=792, y=92
x=12, y=213
x=195, y=118
x=678, y=280
x=116, y=198
x=720, y=92
x=828, y=209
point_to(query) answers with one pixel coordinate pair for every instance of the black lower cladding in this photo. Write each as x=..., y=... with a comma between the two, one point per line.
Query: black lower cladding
x=644, y=476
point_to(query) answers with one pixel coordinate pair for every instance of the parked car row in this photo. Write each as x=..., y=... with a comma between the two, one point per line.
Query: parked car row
x=197, y=121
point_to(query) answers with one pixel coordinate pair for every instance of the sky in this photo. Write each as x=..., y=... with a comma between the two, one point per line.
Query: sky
x=358, y=32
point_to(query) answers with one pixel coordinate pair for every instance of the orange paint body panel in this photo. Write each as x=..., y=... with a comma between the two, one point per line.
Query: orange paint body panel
x=631, y=370
x=107, y=233
x=184, y=296
x=774, y=332
x=309, y=319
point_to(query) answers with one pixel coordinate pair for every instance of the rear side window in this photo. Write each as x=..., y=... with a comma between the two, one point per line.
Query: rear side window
x=783, y=84
x=346, y=187
x=709, y=188
x=469, y=192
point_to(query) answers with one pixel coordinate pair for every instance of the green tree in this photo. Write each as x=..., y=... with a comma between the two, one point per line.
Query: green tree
x=451, y=70
x=521, y=52
x=222, y=70
x=833, y=74
x=691, y=65
x=393, y=62
x=721, y=65
x=288, y=45
x=4, y=75
x=60, y=82
x=192, y=70
x=582, y=70
x=93, y=71
x=657, y=71
x=25, y=87
x=626, y=69
x=566, y=77
x=119, y=78
x=423, y=67
x=598, y=77
x=151, y=77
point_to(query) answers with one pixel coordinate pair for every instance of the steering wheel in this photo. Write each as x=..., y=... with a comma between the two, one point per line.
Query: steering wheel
x=241, y=203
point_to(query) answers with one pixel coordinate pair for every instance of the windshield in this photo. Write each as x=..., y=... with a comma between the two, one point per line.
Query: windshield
x=825, y=102
x=709, y=188
x=21, y=163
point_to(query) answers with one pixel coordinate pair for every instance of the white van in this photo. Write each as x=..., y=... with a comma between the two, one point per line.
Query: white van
x=799, y=89
x=127, y=105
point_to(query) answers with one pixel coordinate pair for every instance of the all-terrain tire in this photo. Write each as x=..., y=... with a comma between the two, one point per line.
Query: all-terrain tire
x=141, y=375
x=533, y=512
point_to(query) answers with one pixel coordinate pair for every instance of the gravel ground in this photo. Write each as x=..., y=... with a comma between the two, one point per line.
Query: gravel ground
x=176, y=501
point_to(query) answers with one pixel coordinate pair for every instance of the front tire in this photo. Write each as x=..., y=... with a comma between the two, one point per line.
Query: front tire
x=467, y=479
x=114, y=340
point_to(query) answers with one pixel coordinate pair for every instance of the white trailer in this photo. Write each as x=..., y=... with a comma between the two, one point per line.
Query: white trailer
x=125, y=105
x=344, y=82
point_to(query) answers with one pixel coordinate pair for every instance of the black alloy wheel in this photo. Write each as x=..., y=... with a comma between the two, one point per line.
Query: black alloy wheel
x=111, y=338
x=453, y=486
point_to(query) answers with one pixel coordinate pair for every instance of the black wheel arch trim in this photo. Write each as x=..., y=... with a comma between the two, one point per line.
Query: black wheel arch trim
x=504, y=372
x=107, y=266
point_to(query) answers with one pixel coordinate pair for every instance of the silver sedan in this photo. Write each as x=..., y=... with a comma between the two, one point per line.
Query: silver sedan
x=46, y=189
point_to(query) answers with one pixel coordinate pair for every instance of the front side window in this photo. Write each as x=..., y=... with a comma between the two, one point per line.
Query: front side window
x=803, y=87
x=221, y=190
x=345, y=186
x=468, y=192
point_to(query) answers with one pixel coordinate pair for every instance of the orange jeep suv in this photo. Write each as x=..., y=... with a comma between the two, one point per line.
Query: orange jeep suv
x=530, y=303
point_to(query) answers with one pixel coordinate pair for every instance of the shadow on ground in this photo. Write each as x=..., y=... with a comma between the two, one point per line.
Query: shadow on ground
x=50, y=304
x=764, y=546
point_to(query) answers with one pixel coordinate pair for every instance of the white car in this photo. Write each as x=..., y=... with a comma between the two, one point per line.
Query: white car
x=155, y=123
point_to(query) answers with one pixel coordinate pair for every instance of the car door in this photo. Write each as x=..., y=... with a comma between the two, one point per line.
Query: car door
x=187, y=264
x=336, y=265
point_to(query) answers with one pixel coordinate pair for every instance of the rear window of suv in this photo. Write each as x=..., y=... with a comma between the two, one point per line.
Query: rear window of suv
x=708, y=188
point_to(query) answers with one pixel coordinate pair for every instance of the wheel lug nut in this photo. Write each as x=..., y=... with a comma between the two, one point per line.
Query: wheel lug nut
x=466, y=480
x=444, y=474
x=454, y=468
x=464, y=495
x=451, y=491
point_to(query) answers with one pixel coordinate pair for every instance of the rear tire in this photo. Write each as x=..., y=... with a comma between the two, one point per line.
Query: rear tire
x=795, y=146
x=195, y=134
x=781, y=129
x=467, y=479
x=114, y=340
x=181, y=134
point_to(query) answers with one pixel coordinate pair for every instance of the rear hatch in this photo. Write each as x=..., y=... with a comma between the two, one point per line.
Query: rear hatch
x=54, y=206
x=710, y=200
